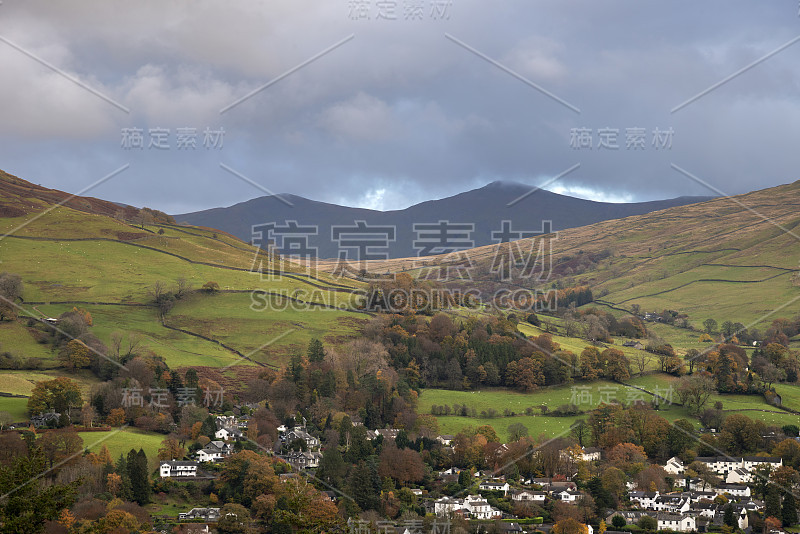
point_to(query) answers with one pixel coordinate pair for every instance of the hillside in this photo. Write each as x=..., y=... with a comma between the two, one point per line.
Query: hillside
x=95, y=255
x=485, y=207
x=743, y=251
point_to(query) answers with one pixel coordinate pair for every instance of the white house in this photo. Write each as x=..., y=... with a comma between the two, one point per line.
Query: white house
x=739, y=476
x=528, y=496
x=214, y=451
x=677, y=522
x=228, y=433
x=479, y=508
x=646, y=500
x=298, y=433
x=447, y=505
x=206, y=514
x=491, y=485
x=591, y=454
x=752, y=462
x=674, y=466
x=736, y=490
x=445, y=439
x=178, y=469
x=568, y=495
x=301, y=460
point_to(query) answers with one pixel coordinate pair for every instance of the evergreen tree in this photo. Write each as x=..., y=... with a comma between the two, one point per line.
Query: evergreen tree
x=316, y=351
x=364, y=484
x=789, y=510
x=209, y=427
x=140, y=480
x=730, y=517
x=772, y=503
x=332, y=467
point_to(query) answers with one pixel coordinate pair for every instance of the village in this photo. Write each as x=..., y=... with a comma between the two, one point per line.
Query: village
x=715, y=494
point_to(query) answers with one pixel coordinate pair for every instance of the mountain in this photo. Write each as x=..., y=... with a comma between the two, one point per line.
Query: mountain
x=730, y=258
x=486, y=208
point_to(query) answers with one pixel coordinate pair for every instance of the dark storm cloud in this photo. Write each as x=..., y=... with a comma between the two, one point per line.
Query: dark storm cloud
x=399, y=113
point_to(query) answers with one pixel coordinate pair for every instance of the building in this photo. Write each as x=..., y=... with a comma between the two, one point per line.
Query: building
x=228, y=433
x=739, y=476
x=591, y=454
x=204, y=514
x=528, y=496
x=735, y=490
x=445, y=439
x=298, y=433
x=480, y=509
x=302, y=460
x=567, y=495
x=46, y=420
x=177, y=469
x=494, y=485
x=674, y=466
x=676, y=522
x=214, y=451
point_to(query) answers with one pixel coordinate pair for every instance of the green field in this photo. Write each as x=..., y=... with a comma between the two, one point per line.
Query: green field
x=17, y=407
x=537, y=425
x=120, y=441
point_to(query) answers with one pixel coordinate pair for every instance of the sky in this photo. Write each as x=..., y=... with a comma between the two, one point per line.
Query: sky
x=187, y=105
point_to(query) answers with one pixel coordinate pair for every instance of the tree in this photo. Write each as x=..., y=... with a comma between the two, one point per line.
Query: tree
x=60, y=446
x=628, y=457
x=210, y=287
x=740, y=434
x=617, y=365
x=403, y=465
x=139, y=477
x=75, y=355
x=332, y=468
x=116, y=417
x=517, y=431
x=316, y=351
x=772, y=501
x=729, y=517
x=618, y=522
x=569, y=526
x=233, y=519
x=789, y=510
x=27, y=506
x=647, y=523
x=11, y=286
x=88, y=415
x=694, y=391
x=171, y=450
x=710, y=325
x=525, y=374
x=5, y=419
x=54, y=395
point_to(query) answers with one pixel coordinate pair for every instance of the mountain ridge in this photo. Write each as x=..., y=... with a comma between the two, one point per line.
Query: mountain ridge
x=486, y=207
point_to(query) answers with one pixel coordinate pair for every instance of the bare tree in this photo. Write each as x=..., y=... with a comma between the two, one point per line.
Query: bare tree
x=5, y=419
x=181, y=287
x=640, y=359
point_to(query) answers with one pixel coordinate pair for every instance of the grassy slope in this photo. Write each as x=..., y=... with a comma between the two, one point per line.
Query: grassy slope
x=121, y=271
x=120, y=441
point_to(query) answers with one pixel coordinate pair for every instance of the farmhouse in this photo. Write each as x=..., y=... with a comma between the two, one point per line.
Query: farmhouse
x=214, y=451
x=177, y=469
x=298, y=433
x=494, y=486
x=205, y=514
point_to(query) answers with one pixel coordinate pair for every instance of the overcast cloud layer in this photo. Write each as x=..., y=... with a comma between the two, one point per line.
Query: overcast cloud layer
x=400, y=112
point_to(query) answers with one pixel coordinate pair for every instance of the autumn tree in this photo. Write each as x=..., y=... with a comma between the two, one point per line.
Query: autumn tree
x=525, y=374
x=569, y=526
x=403, y=465
x=694, y=391
x=74, y=355
x=171, y=449
x=54, y=395
x=60, y=446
